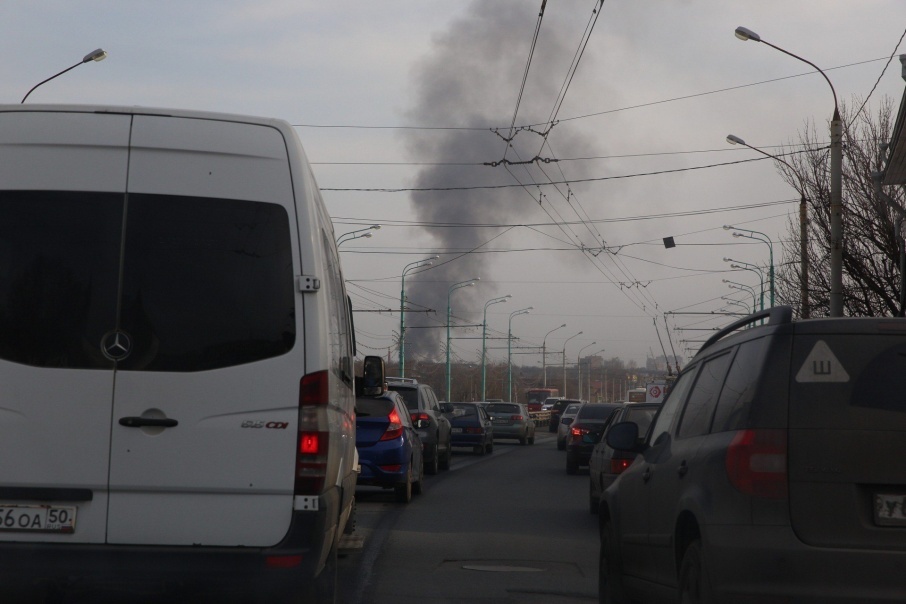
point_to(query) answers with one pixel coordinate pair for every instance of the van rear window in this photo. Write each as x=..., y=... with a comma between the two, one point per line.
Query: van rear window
x=206, y=283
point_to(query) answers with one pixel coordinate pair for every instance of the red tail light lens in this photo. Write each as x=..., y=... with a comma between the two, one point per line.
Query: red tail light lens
x=618, y=466
x=314, y=438
x=757, y=463
x=473, y=430
x=420, y=416
x=391, y=468
x=395, y=428
x=576, y=434
x=517, y=418
x=283, y=561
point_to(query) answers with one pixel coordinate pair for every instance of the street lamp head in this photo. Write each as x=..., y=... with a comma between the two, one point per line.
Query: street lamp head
x=729, y=260
x=738, y=235
x=366, y=236
x=735, y=266
x=95, y=55
x=564, y=325
x=727, y=227
x=744, y=34
x=735, y=140
x=376, y=227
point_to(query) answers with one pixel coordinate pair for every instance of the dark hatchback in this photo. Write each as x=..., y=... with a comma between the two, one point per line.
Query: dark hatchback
x=584, y=431
x=773, y=472
x=390, y=450
x=472, y=427
x=606, y=463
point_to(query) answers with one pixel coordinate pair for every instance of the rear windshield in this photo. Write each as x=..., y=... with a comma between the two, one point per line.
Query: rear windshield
x=373, y=407
x=410, y=395
x=503, y=408
x=467, y=410
x=206, y=283
x=595, y=412
x=572, y=409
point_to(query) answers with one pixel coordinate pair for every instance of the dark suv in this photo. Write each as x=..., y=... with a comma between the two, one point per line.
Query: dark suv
x=773, y=471
x=423, y=406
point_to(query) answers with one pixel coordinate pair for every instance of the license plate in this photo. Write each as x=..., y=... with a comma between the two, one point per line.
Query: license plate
x=890, y=510
x=501, y=421
x=42, y=518
x=457, y=430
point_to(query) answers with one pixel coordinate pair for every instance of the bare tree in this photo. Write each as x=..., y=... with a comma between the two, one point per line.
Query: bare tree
x=871, y=251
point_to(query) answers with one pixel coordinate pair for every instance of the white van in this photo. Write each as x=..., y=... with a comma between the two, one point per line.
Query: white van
x=176, y=388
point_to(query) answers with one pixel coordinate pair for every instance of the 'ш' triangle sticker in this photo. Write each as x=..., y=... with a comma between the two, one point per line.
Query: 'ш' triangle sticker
x=822, y=365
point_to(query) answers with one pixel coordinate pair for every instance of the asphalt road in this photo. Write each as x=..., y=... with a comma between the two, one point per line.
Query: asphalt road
x=507, y=527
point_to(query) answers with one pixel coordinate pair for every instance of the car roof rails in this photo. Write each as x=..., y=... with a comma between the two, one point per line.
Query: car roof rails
x=401, y=380
x=775, y=316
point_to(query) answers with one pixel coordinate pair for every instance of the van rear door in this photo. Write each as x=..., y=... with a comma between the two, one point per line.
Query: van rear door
x=206, y=401
x=62, y=178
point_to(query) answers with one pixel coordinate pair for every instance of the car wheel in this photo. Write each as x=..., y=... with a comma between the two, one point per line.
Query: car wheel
x=479, y=449
x=350, y=524
x=418, y=487
x=404, y=491
x=531, y=439
x=445, y=460
x=561, y=445
x=490, y=447
x=431, y=465
x=610, y=580
x=572, y=466
x=522, y=440
x=693, y=580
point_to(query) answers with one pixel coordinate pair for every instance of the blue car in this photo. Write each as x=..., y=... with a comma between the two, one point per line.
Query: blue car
x=471, y=427
x=390, y=450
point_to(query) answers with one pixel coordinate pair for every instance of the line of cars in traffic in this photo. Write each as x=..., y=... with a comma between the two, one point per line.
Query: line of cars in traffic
x=404, y=432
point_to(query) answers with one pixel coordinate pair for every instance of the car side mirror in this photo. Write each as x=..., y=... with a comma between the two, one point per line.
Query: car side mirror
x=446, y=408
x=372, y=376
x=624, y=436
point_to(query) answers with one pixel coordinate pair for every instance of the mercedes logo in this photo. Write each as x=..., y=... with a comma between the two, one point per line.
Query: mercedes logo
x=116, y=345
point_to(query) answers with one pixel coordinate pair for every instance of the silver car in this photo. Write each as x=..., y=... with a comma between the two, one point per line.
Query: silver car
x=512, y=420
x=566, y=418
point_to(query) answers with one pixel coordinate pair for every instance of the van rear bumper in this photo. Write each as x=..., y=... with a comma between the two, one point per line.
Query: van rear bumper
x=769, y=563
x=174, y=573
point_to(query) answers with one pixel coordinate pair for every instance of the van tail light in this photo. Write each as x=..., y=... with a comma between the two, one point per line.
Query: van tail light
x=314, y=437
x=618, y=466
x=420, y=417
x=757, y=463
x=395, y=428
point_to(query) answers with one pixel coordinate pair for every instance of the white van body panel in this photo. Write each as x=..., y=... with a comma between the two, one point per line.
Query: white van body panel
x=224, y=476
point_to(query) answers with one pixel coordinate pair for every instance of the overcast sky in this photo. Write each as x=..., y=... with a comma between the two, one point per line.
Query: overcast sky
x=419, y=94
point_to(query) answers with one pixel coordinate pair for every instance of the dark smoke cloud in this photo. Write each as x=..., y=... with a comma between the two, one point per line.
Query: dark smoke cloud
x=471, y=78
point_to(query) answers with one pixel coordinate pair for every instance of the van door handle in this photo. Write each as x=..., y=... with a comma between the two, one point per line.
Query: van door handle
x=141, y=422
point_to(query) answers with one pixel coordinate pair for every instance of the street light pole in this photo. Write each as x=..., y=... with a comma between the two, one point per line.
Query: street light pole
x=509, y=341
x=803, y=225
x=564, y=361
x=359, y=234
x=407, y=268
x=484, y=334
x=466, y=283
x=96, y=55
x=767, y=241
x=743, y=287
x=544, y=353
x=579, y=368
x=836, y=188
x=751, y=268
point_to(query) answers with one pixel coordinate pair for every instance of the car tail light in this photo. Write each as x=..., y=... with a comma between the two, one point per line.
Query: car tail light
x=576, y=434
x=516, y=418
x=757, y=463
x=283, y=561
x=395, y=428
x=314, y=438
x=618, y=466
x=391, y=468
x=420, y=417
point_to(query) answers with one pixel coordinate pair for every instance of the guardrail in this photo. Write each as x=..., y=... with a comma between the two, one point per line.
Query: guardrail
x=541, y=418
